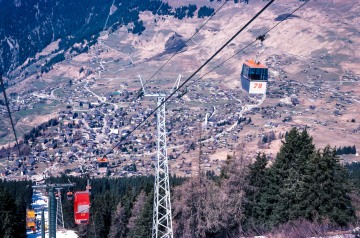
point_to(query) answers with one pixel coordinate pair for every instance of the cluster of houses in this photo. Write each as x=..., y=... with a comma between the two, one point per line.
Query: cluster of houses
x=92, y=124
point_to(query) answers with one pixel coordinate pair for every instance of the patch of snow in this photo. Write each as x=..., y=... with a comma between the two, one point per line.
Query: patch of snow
x=40, y=201
x=66, y=234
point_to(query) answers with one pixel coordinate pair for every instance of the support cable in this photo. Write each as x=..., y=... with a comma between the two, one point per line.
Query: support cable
x=184, y=44
x=261, y=38
x=187, y=80
x=9, y=112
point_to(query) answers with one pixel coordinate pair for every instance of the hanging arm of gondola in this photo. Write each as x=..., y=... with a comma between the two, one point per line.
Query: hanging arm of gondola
x=182, y=93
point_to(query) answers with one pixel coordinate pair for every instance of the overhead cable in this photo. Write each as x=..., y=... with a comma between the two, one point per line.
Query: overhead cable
x=9, y=112
x=261, y=38
x=184, y=44
x=187, y=80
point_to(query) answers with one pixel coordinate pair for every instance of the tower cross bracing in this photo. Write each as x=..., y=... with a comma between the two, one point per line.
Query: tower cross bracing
x=162, y=219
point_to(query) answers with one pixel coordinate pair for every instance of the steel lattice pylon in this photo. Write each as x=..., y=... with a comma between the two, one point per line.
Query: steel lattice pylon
x=162, y=220
x=59, y=211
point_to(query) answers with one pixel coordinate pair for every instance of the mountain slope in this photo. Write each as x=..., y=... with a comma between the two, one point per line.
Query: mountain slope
x=26, y=27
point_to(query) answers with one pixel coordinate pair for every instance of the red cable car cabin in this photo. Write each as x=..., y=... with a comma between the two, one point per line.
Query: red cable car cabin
x=82, y=207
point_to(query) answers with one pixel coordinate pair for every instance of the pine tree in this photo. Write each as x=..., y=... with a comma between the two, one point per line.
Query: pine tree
x=328, y=190
x=279, y=202
x=256, y=178
x=9, y=217
x=304, y=183
x=101, y=213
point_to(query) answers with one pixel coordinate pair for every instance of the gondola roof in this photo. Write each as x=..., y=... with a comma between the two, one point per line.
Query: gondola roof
x=253, y=64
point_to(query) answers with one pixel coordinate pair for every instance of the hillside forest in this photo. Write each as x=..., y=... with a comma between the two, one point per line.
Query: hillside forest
x=27, y=27
x=305, y=191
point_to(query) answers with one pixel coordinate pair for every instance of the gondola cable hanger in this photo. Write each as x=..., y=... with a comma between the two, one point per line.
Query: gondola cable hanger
x=187, y=80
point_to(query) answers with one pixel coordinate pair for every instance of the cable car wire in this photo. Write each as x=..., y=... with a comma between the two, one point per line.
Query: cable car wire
x=197, y=30
x=9, y=112
x=260, y=37
x=222, y=63
x=187, y=80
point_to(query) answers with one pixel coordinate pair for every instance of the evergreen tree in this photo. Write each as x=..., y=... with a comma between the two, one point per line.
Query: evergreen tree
x=304, y=183
x=191, y=11
x=346, y=150
x=354, y=170
x=256, y=178
x=10, y=217
x=205, y=11
x=101, y=210
x=328, y=195
x=279, y=202
x=180, y=12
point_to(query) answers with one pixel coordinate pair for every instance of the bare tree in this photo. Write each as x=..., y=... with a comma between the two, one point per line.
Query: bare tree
x=118, y=224
x=198, y=207
x=137, y=209
x=204, y=207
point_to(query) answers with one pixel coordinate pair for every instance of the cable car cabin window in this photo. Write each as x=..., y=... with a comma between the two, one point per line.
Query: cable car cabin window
x=83, y=209
x=103, y=165
x=258, y=74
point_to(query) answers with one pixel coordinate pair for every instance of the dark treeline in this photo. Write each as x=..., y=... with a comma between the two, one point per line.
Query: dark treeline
x=56, y=59
x=304, y=188
x=29, y=26
x=15, y=197
x=303, y=192
x=120, y=207
x=354, y=171
x=205, y=11
x=302, y=183
x=346, y=150
x=185, y=11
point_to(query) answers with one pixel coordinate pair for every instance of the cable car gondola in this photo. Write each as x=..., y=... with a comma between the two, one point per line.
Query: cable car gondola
x=31, y=220
x=254, y=77
x=102, y=165
x=70, y=196
x=82, y=207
